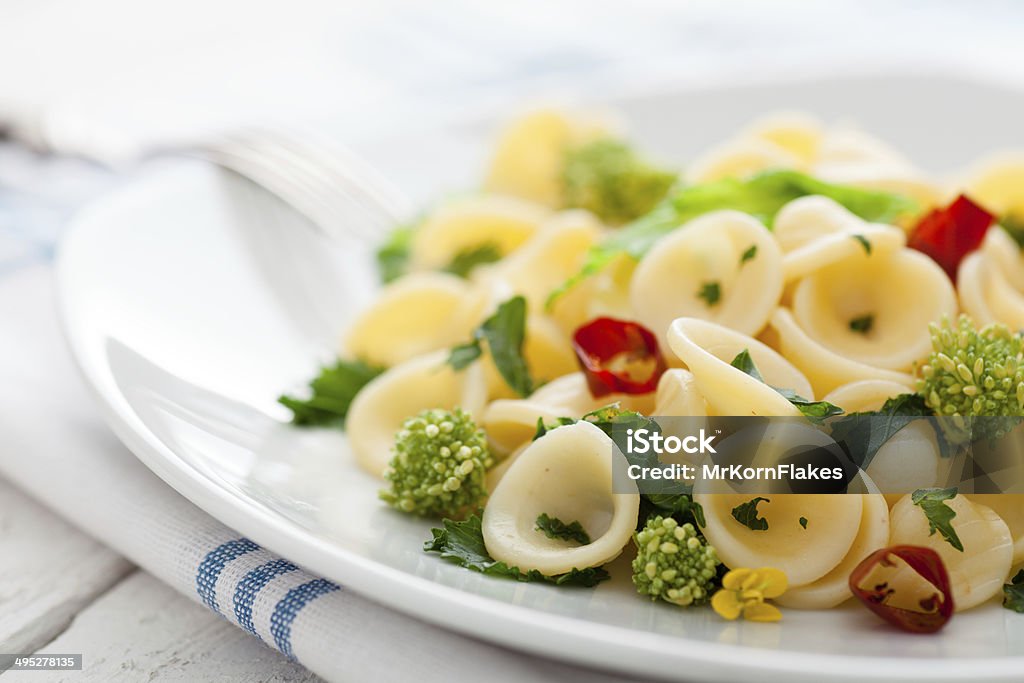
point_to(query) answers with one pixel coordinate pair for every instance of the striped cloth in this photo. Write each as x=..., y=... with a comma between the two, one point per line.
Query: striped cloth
x=54, y=445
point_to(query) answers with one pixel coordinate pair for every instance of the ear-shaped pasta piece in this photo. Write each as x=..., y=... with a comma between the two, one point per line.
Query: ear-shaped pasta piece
x=740, y=158
x=852, y=157
x=528, y=160
x=510, y=423
x=547, y=352
x=834, y=588
x=977, y=573
x=566, y=474
x=973, y=287
x=825, y=368
x=991, y=283
x=796, y=132
x=866, y=394
x=817, y=231
x=701, y=271
x=875, y=309
x=378, y=411
x=1010, y=508
x=997, y=183
x=502, y=222
x=551, y=257
x=708, y=349
x=418, y=313
x=804, y=554
x=679, y=396
x=909, y=460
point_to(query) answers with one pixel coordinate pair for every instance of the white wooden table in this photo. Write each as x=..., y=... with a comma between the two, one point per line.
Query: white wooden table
x=63, y=592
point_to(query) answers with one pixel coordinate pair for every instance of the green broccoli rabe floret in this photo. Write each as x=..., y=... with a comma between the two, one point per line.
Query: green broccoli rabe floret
x=610, y=179
x=672, y=563
x=439, y=465
x=975, y=373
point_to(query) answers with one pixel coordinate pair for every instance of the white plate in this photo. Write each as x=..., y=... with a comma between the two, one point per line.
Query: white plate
x=191, y=300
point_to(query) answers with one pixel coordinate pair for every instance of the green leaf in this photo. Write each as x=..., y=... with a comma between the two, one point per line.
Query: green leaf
x=463, y=355
x=815, y=411
x=862, y=324
x=750, y=253
x=608, y=178
x=1013, y=593
x=466, y=260
x=744, y=362
x=557, y=529
x=761, y=196
x=393, y=255
x=862, y=434
x=940, y=516
x=504, y=333
x=463, y=544
x=746, y=514
x=803, y=522
x=1014, y=227
x=332, y=391
x=863, y=242
x=682, y=507
x=711, y=292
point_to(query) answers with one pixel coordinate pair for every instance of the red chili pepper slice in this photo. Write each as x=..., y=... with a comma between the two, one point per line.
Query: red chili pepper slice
x=948, y=235
x=931, y=609
x=618, y=356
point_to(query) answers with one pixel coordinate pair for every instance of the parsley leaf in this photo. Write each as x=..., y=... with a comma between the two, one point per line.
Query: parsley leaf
x=465, y=261
x=862, y=324
x=746, y=514
x=1013, y=593
x=815, y=411
x=504, y=333
x=680, y=506
x=463, y=544
x=803, y=522
x=940, y=516
x=863, y=242
x=332, y=392
x=393, y=255
x=556, y=528
x=711, y=292
x=862, y=434
x=750, y=253
x=760, y=196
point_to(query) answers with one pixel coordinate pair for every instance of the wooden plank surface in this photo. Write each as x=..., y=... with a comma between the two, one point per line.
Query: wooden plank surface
x=49, y=571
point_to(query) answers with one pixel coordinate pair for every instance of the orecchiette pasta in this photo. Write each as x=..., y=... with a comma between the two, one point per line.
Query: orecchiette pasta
x=896, y=295
x=528, y=159
x=700, y=271
x=815, y=232
x=866, y=394
x=568, y=475
x=833, y=588
x=420, y=312
x=504, y=223
x=977, y=573
x=512, y=422
x=707, y=350
x=991, y=284
x=739, y=159
x=423, y=382
x=804, y=554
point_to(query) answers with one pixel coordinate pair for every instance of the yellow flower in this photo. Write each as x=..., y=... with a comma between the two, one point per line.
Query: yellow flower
x=744, y=592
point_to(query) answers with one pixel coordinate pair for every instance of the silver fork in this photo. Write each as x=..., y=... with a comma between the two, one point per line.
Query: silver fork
x=340, y=193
